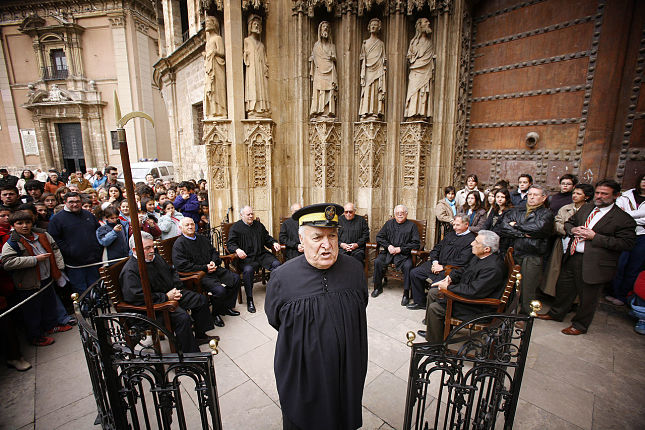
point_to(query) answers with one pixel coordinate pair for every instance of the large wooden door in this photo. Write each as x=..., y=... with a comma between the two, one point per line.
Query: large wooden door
x=72, y=146
x=557, y=68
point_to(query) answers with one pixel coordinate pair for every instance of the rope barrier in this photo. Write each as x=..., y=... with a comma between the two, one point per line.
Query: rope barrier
x=100, y=263
x=26, y=300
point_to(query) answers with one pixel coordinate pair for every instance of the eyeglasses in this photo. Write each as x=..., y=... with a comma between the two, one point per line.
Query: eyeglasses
x=349, y=212
x=73, y=202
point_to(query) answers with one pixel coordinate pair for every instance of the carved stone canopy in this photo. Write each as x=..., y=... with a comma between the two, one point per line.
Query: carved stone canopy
x=340, y=7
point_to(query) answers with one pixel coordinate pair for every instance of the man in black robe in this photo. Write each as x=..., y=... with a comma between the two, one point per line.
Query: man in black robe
x=289, y=235
x=398, y=237
x=194, y=253
x=165, y=285
x=317, y=303
x=353, y=233
x=453, y=250
x=249, y=239
x=482, y=278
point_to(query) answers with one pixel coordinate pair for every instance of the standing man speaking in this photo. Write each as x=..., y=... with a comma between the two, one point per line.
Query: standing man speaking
x=317, y=303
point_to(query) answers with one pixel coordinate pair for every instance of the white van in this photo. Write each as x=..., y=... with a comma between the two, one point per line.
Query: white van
x=163, y=170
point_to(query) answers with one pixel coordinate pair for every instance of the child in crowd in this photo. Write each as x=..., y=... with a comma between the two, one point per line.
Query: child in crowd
x=149, y=225
x=113, y=235
x=114, y=194
x=204, y=220
x=186, y=202
x=149, y=208
x=34, y=261
x=169, y=221
x=161, y=197
x=171, y=193
x=86, y=203
x=124, y=215
x=103, y=195
x=60, y=193
x=42, y=215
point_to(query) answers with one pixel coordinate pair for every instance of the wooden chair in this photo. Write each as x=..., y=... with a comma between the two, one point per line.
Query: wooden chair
x=192, y=280
x=418, y=255
x=513, y=281
x=441, y=229
x=110, y=277
x=229, y=257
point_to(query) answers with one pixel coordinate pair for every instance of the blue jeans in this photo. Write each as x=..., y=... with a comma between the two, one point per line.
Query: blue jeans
x=82, y=278
x=630, y=264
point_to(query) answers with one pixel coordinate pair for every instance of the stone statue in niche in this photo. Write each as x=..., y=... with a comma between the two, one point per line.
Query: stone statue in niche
x=215, y=70
x=373, y=67
x=256, y=83
x=421, y=58
x=323, y=75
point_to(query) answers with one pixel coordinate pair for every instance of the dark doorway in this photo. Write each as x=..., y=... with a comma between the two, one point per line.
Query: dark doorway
x=72, y=144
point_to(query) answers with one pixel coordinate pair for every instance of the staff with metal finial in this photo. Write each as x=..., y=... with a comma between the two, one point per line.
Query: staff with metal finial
x=132, y=203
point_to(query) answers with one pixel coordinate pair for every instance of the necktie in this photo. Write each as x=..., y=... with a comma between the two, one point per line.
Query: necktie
x=577, y=240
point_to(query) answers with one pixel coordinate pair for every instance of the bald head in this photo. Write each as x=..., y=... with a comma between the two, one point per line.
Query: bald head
x=349, y=211
x=295, y=207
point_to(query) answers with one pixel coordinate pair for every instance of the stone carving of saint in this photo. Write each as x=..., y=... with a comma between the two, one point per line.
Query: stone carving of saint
x=256, y=83
x=323, y=74
x=215, y=71
x=373, y=67
x=421, y=57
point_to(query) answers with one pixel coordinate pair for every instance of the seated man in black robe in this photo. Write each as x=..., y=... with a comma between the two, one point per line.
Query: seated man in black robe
x=482, y=278
x=318, y=305
x=353, y=233
x=453, y=250
x=193, y=253
x=249, y=239
x=289, y=235
x=165, y=285
x=398, y=237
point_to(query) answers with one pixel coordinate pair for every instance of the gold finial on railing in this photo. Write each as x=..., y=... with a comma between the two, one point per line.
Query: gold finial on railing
x=410, y=336
x=536, y=305
x=213, y=345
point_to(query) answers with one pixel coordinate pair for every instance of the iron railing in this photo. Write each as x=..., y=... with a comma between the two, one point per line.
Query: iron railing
x=472, y=379
x=51, y=73
x=137, y=384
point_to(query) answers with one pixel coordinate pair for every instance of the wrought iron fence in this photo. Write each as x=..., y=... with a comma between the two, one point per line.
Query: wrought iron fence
x=136, y=384
x=51, y=73
x=472, y=379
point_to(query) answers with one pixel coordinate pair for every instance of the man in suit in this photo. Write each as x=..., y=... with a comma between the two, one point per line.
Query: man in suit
x=482, y=278
x=599, y=232
x=453, y=250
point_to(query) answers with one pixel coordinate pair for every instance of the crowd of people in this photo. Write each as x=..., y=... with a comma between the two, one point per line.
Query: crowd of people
x=55, y=229
x=58, y=228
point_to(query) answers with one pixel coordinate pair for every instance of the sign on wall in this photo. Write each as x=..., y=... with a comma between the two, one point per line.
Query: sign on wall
x=29, y=143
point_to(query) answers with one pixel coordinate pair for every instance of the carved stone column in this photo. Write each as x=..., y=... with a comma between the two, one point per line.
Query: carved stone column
x=217, y=139
x=414, y=147
x=369, y=149
x=325, y=152
x=258, y=138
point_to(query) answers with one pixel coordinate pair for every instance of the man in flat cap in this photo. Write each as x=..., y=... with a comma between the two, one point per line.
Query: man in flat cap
x=317, y=303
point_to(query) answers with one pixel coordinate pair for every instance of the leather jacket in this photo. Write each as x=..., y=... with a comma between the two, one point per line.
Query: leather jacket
x=530, y=235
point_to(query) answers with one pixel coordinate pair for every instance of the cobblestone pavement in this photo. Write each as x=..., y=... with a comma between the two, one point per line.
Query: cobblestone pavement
x=594, y=381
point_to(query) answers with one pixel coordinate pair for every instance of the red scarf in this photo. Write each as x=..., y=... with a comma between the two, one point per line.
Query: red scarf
x=42, y=238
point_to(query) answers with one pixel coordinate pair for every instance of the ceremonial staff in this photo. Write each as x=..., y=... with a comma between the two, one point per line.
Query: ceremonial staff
x=121, y=121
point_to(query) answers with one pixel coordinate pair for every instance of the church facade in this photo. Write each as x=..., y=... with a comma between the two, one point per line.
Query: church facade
x=61, y=63
x=385, y=102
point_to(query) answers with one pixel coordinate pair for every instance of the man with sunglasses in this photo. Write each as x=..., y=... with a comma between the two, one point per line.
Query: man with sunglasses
x=353, y=233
